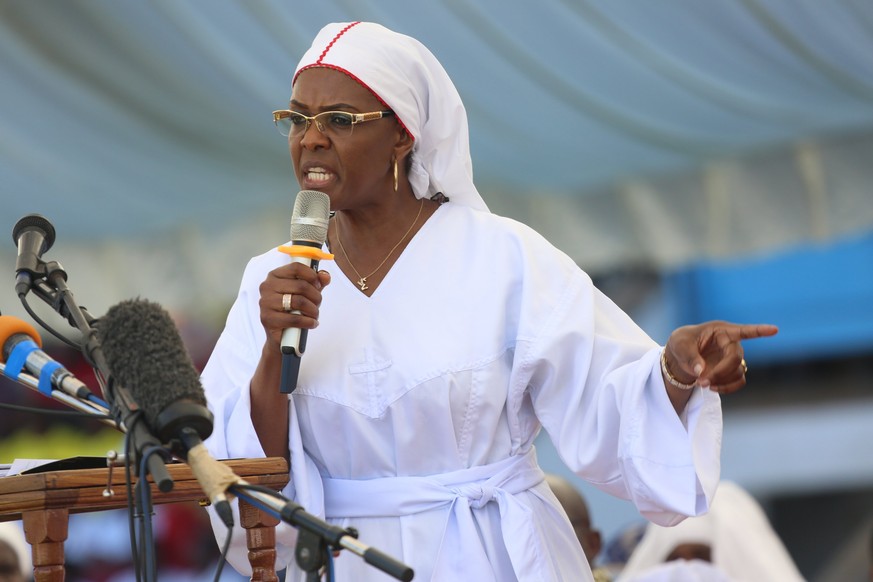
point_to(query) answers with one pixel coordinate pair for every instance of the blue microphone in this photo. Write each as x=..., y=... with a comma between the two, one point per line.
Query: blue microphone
x=21, y=349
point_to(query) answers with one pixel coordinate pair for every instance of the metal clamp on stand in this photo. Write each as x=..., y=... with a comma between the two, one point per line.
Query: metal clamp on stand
x=113, y=459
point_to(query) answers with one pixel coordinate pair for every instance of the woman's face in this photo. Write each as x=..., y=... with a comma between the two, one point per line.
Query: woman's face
x=354, y=170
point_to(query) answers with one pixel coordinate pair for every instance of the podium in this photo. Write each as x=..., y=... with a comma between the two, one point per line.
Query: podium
x=44, y=501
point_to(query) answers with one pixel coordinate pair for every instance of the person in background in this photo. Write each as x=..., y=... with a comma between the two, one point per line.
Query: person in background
x=442, y=339
x=10, y=565
x=580, y=518
x=618, y=549
x=735, y=536
x=15, y=563
x=870, y=549
x=693, y=570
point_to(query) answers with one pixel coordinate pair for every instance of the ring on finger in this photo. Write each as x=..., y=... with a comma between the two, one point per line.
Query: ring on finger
x=744, y=366
x=286, y=301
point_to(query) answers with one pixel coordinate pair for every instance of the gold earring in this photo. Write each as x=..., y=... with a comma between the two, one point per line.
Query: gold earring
x=395, y=175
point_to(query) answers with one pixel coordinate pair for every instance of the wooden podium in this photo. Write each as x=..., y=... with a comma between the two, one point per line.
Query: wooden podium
x=44, y=501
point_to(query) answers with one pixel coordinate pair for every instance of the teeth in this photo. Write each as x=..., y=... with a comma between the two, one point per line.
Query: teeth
x=317, y=174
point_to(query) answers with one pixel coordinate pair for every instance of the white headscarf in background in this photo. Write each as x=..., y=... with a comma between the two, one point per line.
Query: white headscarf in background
x=405, y=76
x=743, y=543
x=683, y=571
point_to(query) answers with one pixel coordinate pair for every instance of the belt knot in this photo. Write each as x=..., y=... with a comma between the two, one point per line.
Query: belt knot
x=477, y=494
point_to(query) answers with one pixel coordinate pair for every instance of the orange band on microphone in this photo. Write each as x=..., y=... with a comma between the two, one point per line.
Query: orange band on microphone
x=9, y=326
x=305, y=251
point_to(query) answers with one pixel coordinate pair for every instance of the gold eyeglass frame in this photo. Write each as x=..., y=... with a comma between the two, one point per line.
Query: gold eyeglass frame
x=322, y=127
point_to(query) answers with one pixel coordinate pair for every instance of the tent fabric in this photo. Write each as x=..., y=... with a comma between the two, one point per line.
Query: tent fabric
x=627, y=133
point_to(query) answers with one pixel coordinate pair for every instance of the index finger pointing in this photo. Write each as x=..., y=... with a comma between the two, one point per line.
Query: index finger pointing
x=754, y=330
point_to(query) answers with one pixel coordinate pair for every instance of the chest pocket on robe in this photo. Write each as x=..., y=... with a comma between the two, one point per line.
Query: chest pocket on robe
x=372, y=392
x=368, y=387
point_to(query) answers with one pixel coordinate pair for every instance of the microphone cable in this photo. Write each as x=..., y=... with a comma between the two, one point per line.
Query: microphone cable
x=70, y=342
x=68, y=413
x=222, y=557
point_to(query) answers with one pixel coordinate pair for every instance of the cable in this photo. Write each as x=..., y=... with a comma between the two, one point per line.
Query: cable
x=73, y=413
x=145, y=503
x=130, y=518
x=222, y=559
x=39, y=320
x=261, y=489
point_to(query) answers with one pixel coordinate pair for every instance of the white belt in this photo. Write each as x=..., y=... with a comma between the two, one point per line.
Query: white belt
x=463, y=491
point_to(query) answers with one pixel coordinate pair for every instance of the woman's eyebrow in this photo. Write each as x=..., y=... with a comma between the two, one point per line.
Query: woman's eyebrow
x=330, y=107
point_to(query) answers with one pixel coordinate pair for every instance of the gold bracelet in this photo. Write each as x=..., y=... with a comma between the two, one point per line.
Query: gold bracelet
x=673, y=381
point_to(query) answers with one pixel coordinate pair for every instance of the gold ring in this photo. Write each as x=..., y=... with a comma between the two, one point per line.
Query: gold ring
x=286, y=301
x=743, y=364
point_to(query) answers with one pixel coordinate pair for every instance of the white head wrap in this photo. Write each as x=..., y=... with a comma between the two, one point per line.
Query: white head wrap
x=403, y=74
x=744, y=545
x=683, y=571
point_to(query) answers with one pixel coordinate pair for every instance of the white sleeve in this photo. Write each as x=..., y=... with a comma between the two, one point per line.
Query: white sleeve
x=229, y=371
x=595, y=385
x=226, y=380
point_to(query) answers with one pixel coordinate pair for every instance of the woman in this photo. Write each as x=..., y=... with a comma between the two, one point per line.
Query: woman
x=448, y=337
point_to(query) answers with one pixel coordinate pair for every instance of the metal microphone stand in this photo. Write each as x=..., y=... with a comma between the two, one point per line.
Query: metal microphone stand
x=316, y=537
x=144, y=446
x=83, y=406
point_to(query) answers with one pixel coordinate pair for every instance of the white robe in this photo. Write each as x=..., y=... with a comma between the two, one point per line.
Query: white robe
x=481, y=333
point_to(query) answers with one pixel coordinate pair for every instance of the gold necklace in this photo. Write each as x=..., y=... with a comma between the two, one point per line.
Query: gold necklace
x=362, y=281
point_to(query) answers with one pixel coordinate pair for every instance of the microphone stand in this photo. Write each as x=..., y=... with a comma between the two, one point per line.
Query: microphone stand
x=83, y=406
x=125, y=410
x=315, y=536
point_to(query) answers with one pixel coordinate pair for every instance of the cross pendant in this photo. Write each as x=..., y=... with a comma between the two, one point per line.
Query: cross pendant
x=362, y=283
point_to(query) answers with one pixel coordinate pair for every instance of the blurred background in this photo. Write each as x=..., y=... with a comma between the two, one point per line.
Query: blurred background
x=701, y=160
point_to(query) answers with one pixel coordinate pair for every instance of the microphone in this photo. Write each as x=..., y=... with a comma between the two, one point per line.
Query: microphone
x=146, y=354
x=309, y=222
x=20, y=349
x=34, y=235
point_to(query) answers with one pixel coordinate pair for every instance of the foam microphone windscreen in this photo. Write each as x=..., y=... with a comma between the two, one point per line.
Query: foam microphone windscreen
x=146, y=355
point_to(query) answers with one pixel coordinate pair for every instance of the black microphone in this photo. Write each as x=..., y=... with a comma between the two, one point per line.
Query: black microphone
x=309, y=222
x=146, y=355
x=34, y=235
x=20, y=349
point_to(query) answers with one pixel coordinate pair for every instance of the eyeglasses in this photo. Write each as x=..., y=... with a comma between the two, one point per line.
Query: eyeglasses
x=332, y=123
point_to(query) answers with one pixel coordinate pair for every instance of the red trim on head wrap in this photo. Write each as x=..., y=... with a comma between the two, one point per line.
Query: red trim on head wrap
x=319, y=65
x=331, y=43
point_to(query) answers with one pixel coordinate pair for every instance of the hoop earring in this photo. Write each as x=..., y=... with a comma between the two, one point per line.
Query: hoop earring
x=396, y=184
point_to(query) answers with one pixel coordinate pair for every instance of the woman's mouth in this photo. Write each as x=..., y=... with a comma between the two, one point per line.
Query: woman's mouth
x=317, y=176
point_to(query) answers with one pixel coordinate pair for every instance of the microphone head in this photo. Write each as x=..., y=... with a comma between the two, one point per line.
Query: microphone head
x=35, y=222
x=11, y=326
x=310, y=217
x=146, y=355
